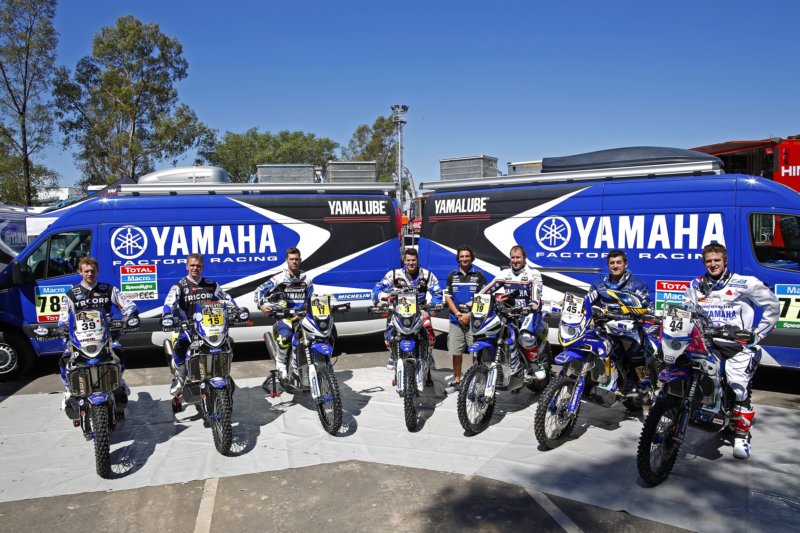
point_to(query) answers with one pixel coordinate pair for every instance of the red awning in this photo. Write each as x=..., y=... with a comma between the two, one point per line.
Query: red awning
x=733, y=146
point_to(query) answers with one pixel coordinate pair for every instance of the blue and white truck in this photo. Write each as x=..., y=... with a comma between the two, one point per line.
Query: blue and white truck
x=347, y=235
x=660, y=205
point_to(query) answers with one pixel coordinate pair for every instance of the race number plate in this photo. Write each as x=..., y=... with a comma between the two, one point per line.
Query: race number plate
x=320, y=306
x=480, y=304
x=573, y=308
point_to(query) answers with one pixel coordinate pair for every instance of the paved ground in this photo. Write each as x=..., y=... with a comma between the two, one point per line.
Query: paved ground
x=350, y=495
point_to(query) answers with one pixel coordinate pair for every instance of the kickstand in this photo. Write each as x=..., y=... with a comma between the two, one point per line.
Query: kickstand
x=271, y=384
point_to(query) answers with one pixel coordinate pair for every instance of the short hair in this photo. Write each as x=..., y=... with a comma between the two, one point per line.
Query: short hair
x=617, y=253
x=465, y=248
x=410, y=251
x=88, y=260
x=715, y=247
x=292, y=250
x=520, y=249
x=196, y=257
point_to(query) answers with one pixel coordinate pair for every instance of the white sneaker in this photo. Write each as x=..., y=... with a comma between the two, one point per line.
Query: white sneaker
x=390, y=363
x=281, y=368
x=741, y=447
x=67, y=396
x=177, y=385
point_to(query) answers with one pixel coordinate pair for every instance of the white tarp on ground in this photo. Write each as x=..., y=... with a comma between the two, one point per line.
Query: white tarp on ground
x=709, y=490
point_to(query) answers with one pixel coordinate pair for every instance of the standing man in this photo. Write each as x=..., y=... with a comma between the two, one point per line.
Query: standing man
x=411, y=276
x=179, y=305
x=462, y=285
x=731, y=299
x=294, y=290
x=91, y=294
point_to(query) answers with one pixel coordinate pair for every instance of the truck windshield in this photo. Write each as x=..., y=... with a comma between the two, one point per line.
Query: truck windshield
x=59, y=255
x=776, y=240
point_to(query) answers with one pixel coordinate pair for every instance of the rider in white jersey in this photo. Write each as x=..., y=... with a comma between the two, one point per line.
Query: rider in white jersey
x=730, y=299
x=521, y=286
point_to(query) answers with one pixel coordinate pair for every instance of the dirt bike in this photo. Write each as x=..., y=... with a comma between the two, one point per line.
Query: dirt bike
x=208, y=383
x=309, y=359
x=411, y=349
x=593, y=367
x=94, y=375
x=693, y=388
x=494, y=348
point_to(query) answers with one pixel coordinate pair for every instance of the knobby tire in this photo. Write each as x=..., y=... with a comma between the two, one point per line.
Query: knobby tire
x=330, y=401
x=548, y=415
x=220, y=420
x=100, y=433
x=472, y=401
x=657, y=441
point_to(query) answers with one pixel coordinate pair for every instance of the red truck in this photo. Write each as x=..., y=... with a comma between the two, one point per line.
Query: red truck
x=774, y=158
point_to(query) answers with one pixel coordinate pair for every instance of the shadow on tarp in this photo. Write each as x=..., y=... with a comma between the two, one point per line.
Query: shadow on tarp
x=352, y=402
x=148, y=423
x=707, y=490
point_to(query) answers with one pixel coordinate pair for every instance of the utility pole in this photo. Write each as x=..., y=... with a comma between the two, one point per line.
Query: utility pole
x=399, y=118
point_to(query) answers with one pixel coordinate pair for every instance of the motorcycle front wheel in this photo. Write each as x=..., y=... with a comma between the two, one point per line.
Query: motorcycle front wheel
x=474, y=408
x=410, y=393
x=553, y=422
x=330, y=402
x=219, y=417
x=659, y=445
x=100, y=434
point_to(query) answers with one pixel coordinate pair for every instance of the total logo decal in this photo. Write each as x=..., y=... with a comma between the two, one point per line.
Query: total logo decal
x=674, y=236
x=669, y=291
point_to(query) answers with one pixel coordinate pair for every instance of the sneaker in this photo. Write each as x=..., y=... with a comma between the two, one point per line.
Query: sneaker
x=452, y=387
x=741, y=447
x=283, y=373
x=390, y=363
x=176, y=387
x=67, y=396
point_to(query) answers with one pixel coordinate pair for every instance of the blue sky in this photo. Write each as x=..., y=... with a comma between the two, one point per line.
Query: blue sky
x=518, y=79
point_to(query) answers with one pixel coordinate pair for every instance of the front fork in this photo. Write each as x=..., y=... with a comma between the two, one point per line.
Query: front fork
x=686, y=411
x=580, y=384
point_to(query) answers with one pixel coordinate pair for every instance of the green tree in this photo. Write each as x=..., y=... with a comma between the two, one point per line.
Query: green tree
x=121, y=106
x=241, y=153
x=375, y=143
x=13, y=190
x=27, y=54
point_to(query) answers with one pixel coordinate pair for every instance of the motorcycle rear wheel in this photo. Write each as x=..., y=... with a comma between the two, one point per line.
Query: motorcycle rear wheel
x=330, y=401
x=658, y=448
x=220, y=419
x=474, y=409
x=410, y=393
x=100, y=434
x=553, y=423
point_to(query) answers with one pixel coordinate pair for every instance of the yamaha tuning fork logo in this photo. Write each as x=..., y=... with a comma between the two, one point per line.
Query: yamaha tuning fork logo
x=129, y=242
x=553, y=233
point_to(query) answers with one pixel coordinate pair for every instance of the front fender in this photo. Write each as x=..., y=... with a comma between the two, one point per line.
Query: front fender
x=478, y=346
x=98, y=398
x=322, y=348
x=671, y=374
x=567, y=356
